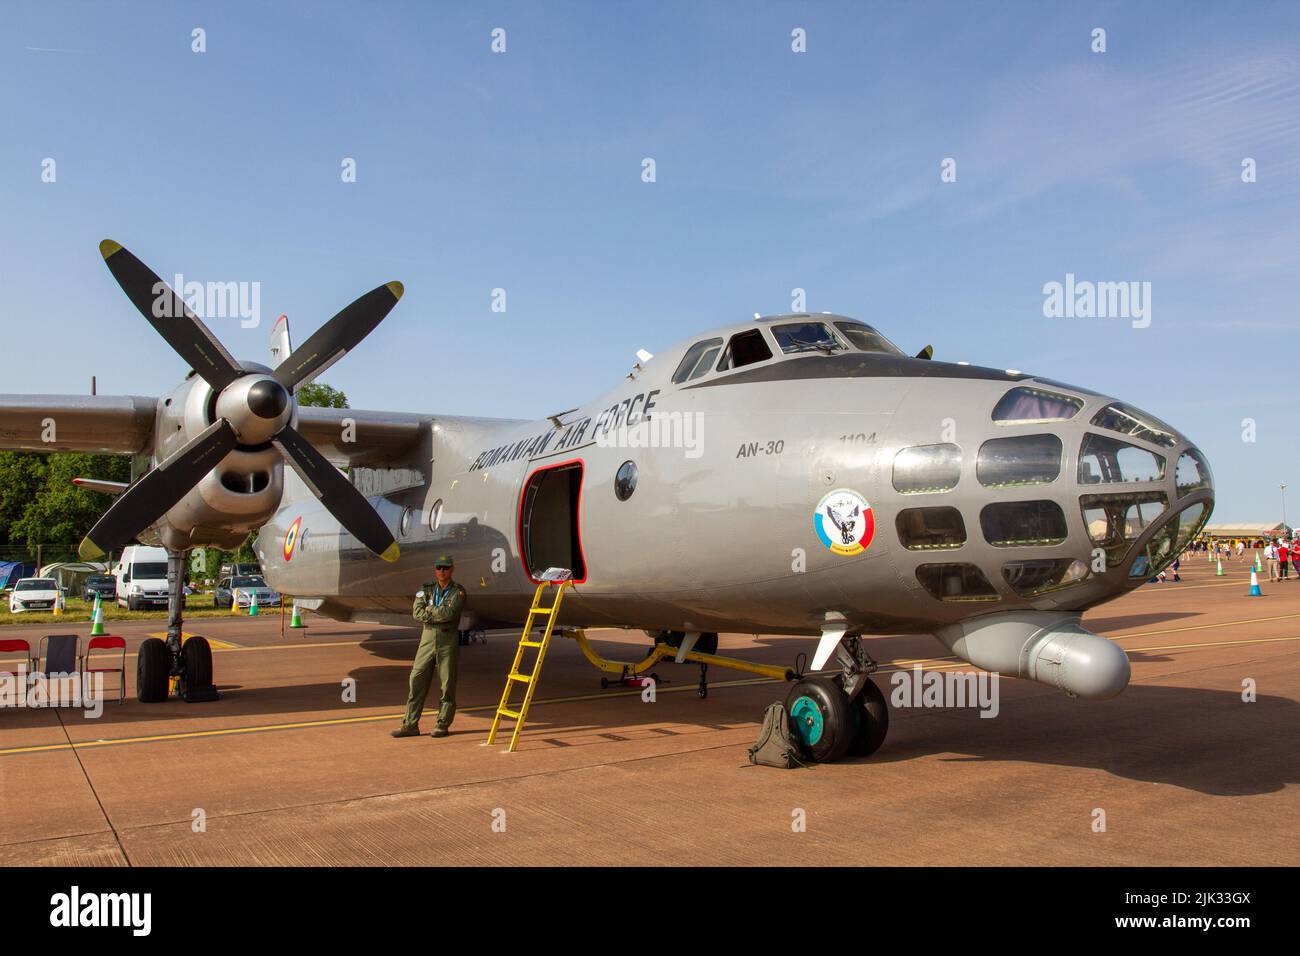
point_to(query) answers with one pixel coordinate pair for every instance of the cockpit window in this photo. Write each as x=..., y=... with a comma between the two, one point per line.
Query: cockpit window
x=1129, y=421
x=956, y=582
x=1024, y=404
x=1021, y=460
x=807, y=337
x=1032, y=578
x=1103, y=459
x=745, y=348
x=866, y=339
x=1115, y=521
x=1192, y=473
x=930, y=529
x=924, y=469
x=1170, y=541
x=1019, y=524
x=697, y=360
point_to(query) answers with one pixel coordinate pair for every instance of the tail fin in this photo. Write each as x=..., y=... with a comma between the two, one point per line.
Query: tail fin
x=281, y=345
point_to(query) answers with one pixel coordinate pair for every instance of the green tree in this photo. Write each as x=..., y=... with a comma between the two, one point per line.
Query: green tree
x=317, y=395
x=39, y=504
x=20, y=479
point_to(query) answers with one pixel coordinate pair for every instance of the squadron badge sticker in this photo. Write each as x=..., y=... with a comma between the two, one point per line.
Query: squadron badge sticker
x=844, y=522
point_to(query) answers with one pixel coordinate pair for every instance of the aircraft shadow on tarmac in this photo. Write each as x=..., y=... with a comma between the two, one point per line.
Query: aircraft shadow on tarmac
x=1210, y=741
x=1104, y=625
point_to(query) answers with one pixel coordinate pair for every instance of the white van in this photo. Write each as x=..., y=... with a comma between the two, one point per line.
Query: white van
x=141, y=577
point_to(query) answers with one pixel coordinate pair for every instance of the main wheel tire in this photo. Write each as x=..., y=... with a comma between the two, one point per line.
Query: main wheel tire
x=821, y=718
x=196, y=655
x=872, y=712
x=152, y=670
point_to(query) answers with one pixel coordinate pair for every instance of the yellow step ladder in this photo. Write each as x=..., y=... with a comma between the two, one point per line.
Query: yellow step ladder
x=561, y=580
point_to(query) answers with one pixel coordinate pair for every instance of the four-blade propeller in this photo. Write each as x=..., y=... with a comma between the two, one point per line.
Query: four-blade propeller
x=252, y=408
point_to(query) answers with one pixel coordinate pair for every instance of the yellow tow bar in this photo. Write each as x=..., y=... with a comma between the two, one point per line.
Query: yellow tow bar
x=663, y=651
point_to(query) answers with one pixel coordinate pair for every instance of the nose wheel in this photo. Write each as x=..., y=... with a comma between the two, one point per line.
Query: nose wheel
x=820, y=717
x=845, y=714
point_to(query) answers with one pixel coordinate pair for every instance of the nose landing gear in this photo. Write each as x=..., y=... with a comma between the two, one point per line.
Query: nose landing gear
x=844, y=714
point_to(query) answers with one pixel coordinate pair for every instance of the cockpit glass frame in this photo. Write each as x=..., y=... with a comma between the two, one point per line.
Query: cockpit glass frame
x=927, y=469
x=1127, y=420
x=1192, y=472
x=1026, y=405
x=1121, y=517
x=745, y=348
x=1019, y=460
x=864, y=338
x=795, y=337
x=697, y=361
x=1034, y=576
x=1107, y=460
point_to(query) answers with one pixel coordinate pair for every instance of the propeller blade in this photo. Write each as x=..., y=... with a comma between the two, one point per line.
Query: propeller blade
x=338, y=336
x=337, y=494
x=170, y=317
x=149, y=498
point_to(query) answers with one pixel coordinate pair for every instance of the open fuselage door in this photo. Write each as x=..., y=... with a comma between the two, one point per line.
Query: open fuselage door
x=549, y=534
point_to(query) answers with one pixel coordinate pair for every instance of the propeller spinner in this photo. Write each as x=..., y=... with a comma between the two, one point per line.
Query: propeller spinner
x=252, y=408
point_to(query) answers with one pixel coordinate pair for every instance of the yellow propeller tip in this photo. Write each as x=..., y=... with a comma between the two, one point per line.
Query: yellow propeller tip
x=89, y=551
x=108, y=247
x=396, y=288
x=392, y=553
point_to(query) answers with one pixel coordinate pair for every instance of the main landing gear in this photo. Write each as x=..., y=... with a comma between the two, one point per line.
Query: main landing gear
x=838, y=715
x=185, y=663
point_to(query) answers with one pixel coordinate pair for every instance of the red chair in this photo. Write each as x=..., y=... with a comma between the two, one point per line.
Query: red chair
x=108, y=643
x=7, y=646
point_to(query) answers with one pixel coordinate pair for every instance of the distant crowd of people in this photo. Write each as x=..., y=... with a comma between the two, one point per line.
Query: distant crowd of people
x=1281, y=555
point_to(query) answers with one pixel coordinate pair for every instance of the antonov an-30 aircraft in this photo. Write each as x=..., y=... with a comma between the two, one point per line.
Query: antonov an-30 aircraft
x=794, y=475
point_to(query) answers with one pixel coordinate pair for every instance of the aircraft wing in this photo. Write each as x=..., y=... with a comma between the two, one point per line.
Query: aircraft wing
x=115, y=424
x=124, y=424
x=355, y=437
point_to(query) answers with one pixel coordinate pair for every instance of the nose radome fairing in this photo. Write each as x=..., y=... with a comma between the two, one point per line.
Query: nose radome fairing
x=1024, y=492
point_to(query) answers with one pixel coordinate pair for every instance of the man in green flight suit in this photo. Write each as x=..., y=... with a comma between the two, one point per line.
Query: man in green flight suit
x=438, y=607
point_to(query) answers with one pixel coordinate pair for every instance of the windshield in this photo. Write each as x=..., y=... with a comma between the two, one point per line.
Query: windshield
x=100, y=579
x=36, y=584
x=149, y=570
x=697, y=360
x=248, y=582
x=864, y=337
x=806, y=337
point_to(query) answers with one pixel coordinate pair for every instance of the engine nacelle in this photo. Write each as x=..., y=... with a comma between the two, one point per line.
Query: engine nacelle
x=239, y=495
x=1050, y=647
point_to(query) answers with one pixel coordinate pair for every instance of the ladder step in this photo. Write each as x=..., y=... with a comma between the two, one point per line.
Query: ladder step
x=507, y=712
x=522, y=678
x=542, y=610
x=530, y=643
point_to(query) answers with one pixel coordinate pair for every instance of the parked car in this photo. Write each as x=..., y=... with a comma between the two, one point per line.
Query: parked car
x=104, y=585
x=245, y=586
x=33, y=594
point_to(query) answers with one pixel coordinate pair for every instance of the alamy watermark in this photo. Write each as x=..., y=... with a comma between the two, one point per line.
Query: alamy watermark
x=35, y=689
x=1084, y=299
x=683, y=430
x=921, y=688
x=211, y=300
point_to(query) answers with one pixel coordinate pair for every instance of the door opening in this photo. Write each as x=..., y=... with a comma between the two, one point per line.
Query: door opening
x=548, y=521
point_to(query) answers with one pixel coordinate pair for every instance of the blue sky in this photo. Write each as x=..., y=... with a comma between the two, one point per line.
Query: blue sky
x=775, y=170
